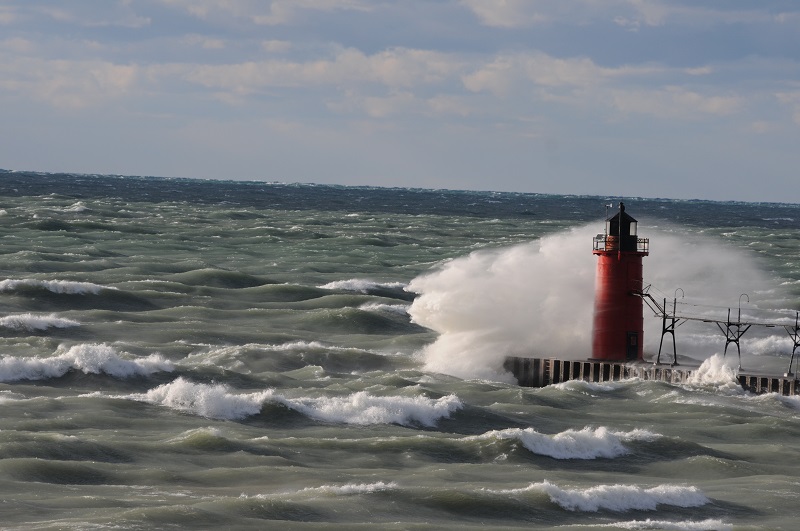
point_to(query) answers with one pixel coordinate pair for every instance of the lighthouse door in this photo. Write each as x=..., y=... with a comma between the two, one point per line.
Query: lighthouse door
x=633, y=346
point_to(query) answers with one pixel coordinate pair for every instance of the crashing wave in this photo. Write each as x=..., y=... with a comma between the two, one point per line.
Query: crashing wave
x=588, y=443
x=617, y=498
x=87, y=358
x=218, y=401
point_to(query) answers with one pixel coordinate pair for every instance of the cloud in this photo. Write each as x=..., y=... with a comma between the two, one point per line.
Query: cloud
x=506, y=13
x=105, y=14
x=283, y=11
x=259, y=12
x=8, y=15
x=674, y=103
x=206, y=43
x=68, y=84
x=792, y=100
x=629, y=14
x=395, y=68
x=505, y=72
x=276, y=46
x=17, y=45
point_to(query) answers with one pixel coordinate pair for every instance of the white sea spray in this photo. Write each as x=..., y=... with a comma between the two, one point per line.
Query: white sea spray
x=536, y=299
x=718, y=373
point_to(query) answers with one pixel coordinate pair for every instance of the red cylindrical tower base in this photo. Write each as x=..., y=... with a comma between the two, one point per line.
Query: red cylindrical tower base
x=618, y=312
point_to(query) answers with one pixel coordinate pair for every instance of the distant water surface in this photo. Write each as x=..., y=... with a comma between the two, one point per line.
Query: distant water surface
x=192, y=354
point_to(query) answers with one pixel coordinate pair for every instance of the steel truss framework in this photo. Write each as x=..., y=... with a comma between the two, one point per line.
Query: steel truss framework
x=732, y=329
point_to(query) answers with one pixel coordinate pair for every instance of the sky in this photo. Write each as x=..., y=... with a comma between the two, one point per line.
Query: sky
x=688, y=99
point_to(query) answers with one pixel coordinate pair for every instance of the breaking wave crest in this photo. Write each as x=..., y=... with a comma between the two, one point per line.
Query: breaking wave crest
x=666, y=525
x=219, y=402
x=31, y=322
x=718, y=373
x=87, y=358
x=588, y=443
x=351, y=488
x=363, y=408
x=211, y=401
x=56, y=286
x=617, y=498
x=362, y=286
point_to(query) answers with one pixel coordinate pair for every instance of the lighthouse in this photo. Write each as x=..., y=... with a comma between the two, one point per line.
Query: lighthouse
x=618, y=330
x=619, y=326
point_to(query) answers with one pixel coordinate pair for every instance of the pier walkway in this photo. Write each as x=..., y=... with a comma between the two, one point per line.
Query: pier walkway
x=540, y=372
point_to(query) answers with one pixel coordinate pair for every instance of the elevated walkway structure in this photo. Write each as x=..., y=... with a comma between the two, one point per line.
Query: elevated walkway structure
x=732, y=329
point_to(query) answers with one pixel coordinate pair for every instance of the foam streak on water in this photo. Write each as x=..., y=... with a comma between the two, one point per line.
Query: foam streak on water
x=180, y=354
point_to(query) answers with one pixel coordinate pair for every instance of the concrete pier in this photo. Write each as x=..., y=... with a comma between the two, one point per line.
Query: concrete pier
x=540, y=372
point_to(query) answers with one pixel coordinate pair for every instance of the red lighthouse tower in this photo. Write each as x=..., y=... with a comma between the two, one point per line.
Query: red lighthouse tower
x=618, y=311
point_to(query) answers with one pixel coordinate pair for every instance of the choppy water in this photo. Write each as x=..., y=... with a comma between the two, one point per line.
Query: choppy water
x=204, y=354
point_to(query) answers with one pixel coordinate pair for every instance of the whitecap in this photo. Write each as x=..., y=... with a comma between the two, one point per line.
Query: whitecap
x=56, y=286
x=618, y=498
x=349, y=489
x=363, y=408
x=77, y=207
x=88, y=358
x=31, y=322
x=207, y=400
x=588, y=443
x=401, y=309
x=209, y=431
x=361, y=285
x=666, y=525
x=8, y=396
x=582, y=385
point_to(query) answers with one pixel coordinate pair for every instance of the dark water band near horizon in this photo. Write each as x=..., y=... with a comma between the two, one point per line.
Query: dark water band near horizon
x=181, y=353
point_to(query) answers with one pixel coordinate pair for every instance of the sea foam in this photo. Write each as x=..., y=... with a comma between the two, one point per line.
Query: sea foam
x=588, y=443
x=617, y=498
x=218, y=401
x=31, y=322
x=87, y=358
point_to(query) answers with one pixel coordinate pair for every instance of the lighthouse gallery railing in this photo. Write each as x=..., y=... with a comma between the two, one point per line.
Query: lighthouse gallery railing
x=604, y=242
